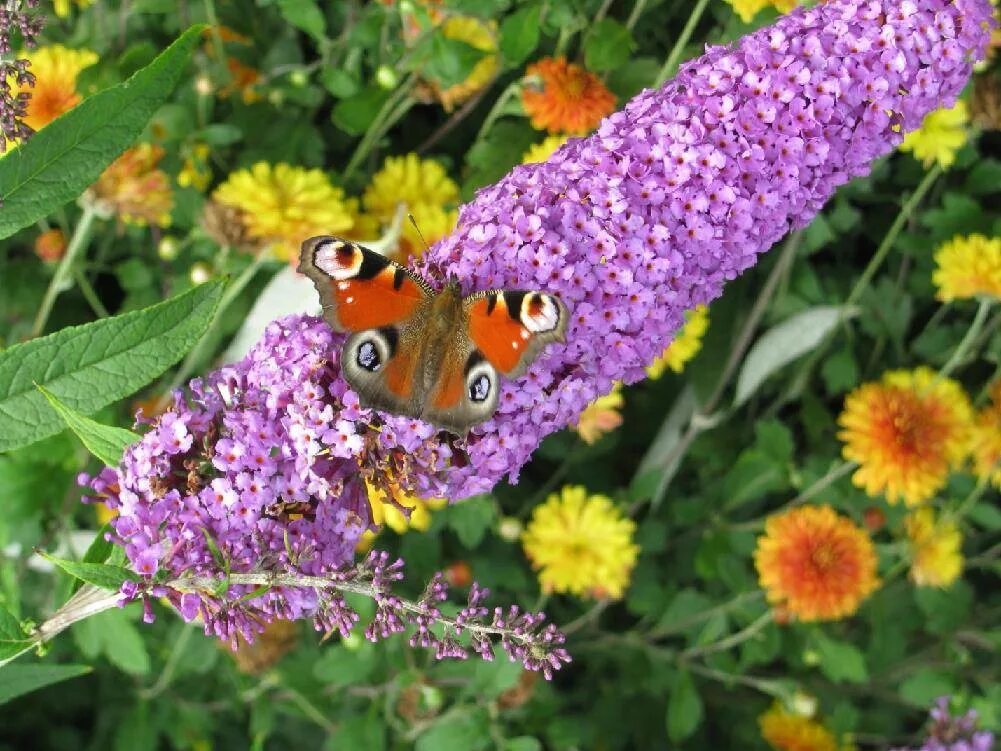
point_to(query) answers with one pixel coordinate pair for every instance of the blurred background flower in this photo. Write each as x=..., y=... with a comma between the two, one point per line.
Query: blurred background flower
x=55, y=68
x=283, y=204
x=601, y=416
x=815, y=564
x=941, y=135
x=540, y=152
x=935, y=547
x=985, y=444
x=135, y=189
x=748, y=9
x=907, y=432
x=968, y=266
x=581, y=544
x=685, y=345
x=790, y=731
x=562, y=97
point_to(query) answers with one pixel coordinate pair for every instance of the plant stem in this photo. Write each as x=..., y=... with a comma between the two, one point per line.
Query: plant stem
x=81, y=234
x=89, y=294
x=634, y=15
x=385, y=118
x=732, y=640
x=679, y=46
x=963, y=347
x=495, y=111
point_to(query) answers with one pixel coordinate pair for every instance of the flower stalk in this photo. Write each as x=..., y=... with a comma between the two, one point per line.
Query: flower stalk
x=60, y=279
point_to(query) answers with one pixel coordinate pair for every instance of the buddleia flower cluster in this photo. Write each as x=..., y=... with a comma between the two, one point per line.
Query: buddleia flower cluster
x=16, y=18
x=947, y=732
x=250, y=493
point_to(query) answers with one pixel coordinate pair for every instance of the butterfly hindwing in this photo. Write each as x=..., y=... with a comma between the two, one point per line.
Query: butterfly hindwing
x=510, y=328
x=359, y=288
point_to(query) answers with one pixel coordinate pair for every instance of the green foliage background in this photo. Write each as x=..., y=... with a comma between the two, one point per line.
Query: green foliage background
x=685, y=659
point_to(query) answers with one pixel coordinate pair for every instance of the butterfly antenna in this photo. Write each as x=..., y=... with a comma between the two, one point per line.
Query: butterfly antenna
x=419, y=233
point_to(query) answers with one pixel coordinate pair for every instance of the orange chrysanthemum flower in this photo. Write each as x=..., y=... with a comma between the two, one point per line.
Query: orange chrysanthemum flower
x=134, y=189
x=786, y=731
x=568, y=99
x=986, y=443
x=906, y=432
x=56, y=69
x=815, y=564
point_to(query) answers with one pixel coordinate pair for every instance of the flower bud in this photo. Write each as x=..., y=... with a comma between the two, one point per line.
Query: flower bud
x=168, y=248
x=510, y=529
x=386, y=77
x=200, y=273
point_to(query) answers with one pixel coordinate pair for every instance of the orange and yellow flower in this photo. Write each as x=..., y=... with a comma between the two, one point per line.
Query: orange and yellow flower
x=684, y=346
x=907, y=432
x=936, y=548
x=400, y=512
x=562, y=97
x=581, y=544
x=985, y=444
x=426, y=191
x=134, y=189
x=283, y=205
x=601, y=416
x=968, y=267
x=55, y=69
x=748, y=9
x=786, y=731
x=50, y=245
x=815, y=564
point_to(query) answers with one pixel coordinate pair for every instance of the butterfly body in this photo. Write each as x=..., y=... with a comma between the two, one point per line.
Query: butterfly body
x=426, y=354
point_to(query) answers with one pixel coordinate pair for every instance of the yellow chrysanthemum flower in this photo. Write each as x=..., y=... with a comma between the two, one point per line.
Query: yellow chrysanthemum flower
x=786, y=731
x=601, y=416
x=940, y=136
x=55, y=69
x=62, y=7
x=540, y=152
x=936, y=555
x=815, y=564
x=134, y=189
x=427, y=191
x=481, y=35
x=283, y=205
x=196, y=172
x=985, y=444
x=968, y=267
x=907, y=432
x=581, y=544
x=748, y=9
x=684, y=346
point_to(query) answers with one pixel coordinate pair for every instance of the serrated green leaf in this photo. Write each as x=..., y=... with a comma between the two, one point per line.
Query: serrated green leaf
x=607, y=45
x=106, y=442
x=841, y=661
x=100, y=548
x=13, y=640
x=88, y=367
x=67, y=155
x=782, y=344
x=305, y=15
x=684, y=708
x=101, y=575
x=519, y=34
x=18, y=680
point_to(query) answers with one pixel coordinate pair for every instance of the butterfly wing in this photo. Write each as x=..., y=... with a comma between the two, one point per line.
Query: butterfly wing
x=510, y=328
x=500, y=334
x=377, y=301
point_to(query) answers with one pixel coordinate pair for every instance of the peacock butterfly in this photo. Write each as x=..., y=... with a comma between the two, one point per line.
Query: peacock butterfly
x=413, y=351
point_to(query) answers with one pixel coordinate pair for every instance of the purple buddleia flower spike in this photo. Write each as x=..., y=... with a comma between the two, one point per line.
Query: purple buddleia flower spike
x=953, y=733
x=247, y=499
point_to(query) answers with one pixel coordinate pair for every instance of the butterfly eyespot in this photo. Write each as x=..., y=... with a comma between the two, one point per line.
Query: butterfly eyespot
x=368, y=356
x=479, y=388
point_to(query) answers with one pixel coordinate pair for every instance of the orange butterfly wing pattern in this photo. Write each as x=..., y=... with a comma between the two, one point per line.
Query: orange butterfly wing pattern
x=359, y=289
x=510, y=328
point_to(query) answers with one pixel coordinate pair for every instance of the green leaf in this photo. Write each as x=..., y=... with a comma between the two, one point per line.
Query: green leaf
x=471, y=519
x=607, y=46
x=779, y=346
x=841, y=661
x=305, y=15
x=451, y=61
x=522, y=743
x=926, y=685
x=101, y=575
x=106, y=442
x=354, y=114
x=684, y=708
x=466, y=732
x=100, y=548
x=341, y=666
x=67, y=155
x=88, y=367
x=17, y=680
x=984, y=177
x=121, y=641
x=519, y=34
